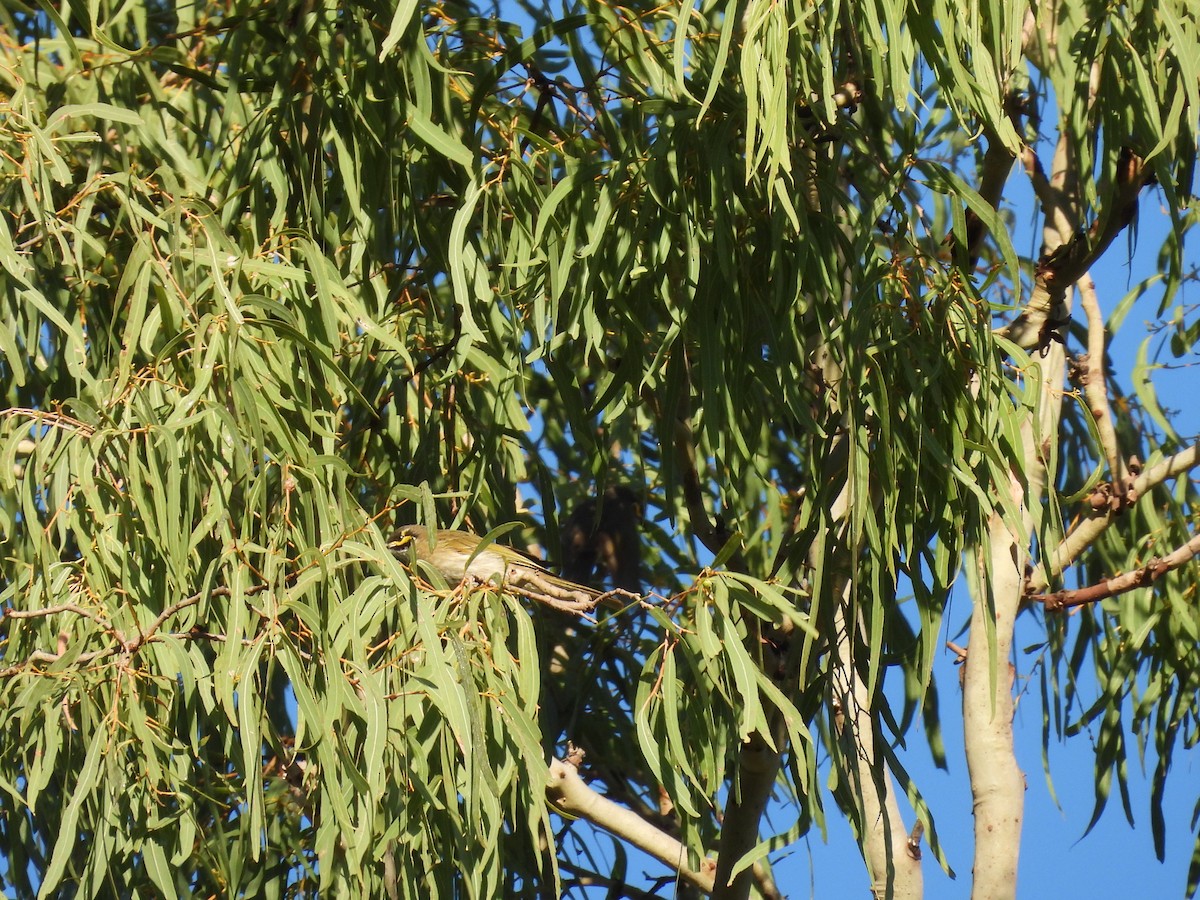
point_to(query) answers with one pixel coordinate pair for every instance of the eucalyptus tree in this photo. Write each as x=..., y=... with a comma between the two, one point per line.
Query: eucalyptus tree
x=719, y=301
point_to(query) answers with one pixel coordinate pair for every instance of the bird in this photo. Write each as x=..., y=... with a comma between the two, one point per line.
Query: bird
x=457, y=555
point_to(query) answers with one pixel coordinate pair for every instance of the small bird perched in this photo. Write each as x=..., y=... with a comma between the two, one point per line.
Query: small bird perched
x=450, y=552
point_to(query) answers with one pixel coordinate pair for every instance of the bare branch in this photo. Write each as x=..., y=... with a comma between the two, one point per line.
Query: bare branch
x=1067, y=263
x=43, y=656
x=1095, y=387
x=1087, y=531
x=570, y=795
x=55, y=610
x=1110, y=587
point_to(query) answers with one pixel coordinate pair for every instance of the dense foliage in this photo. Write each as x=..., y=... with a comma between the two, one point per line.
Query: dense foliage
x=277, y=276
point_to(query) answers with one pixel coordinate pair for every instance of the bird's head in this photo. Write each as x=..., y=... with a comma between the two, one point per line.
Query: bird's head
x=403, y=542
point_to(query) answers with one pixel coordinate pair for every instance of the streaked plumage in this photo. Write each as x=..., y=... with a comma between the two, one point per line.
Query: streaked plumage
x=450, y=553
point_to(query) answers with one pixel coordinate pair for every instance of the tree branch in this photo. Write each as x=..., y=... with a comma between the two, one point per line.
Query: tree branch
x=571, y=796
x=757, y=768
x=121, y=644
x=1059, y=270
x=893, y=874
x=1050, y=197
x=54, y=419
x=713, y=535
x=1087, y=531
x=1119, y=584
x=997, y=783
x=586, y=878
x=1095, y=389
x=55, y=610
x=994, y=170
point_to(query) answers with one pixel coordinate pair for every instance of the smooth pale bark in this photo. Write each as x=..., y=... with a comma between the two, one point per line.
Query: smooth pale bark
x=570, y=796
x=758, y=769
x=893, y=871
x=997, y=783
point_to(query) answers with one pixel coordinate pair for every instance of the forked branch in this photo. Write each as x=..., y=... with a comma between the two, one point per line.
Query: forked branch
x=1119, y=584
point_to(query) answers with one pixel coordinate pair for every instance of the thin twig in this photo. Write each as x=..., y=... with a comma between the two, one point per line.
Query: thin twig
x=56, y=419
x=120, y=645
x=132, y=646
x=54, y=610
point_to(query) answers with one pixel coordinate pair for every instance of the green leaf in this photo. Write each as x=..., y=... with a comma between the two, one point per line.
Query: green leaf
x=1144, y=388
x=438, y=139
x=93, y=111
x=82, y=792
x=401, y=19
x=745, y=682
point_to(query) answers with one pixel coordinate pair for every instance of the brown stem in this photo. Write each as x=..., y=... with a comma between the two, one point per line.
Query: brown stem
x=712, y=535
x=1119, y=584
x=54, y=610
